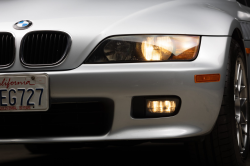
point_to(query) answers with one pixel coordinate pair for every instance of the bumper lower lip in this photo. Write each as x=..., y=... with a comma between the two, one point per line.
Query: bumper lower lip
x=158, y=132
x=120, y=82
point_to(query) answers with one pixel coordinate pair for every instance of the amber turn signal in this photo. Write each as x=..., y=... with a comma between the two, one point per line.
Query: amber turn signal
x=248, y=50
x=207, y=78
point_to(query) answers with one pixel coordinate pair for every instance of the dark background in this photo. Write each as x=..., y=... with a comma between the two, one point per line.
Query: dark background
x=144, y=154
x=244, y=2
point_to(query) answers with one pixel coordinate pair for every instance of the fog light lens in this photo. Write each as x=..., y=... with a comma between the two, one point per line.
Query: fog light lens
x=161, y=106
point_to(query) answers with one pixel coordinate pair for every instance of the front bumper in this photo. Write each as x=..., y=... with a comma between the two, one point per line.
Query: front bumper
x=120, y=82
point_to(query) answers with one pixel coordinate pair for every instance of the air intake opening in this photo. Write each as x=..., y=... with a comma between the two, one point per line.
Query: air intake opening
x=7, y=49
x=44, y=48
x=61, y=120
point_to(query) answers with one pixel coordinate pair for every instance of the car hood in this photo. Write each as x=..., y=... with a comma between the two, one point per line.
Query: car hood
x=90, y=21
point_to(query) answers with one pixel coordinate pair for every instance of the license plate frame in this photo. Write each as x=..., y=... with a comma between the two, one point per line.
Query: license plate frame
x=22, y=86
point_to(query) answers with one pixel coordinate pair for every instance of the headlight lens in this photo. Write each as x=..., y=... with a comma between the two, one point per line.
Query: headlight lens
x=146, y=48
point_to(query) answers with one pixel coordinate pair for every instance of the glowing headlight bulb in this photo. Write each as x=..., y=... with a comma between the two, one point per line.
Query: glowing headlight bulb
x=157, y=48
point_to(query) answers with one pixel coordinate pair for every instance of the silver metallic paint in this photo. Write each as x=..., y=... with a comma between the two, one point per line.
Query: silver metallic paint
x=120, y=82
x=89, y=22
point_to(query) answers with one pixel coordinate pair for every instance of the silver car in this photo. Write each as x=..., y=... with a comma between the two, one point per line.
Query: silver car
x=105, y=72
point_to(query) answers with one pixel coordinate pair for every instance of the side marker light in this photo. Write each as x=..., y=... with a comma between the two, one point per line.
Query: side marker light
x=207, y=78
x=248, y=50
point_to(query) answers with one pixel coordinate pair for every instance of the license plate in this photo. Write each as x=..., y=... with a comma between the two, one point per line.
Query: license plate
x=24, y=93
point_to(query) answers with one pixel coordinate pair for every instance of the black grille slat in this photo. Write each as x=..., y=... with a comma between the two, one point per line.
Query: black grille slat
x=50, y=54
x=2, y=50
x=58, y=45
x=36, y=60
x=54, y=48
x=9, y=46
x=32, y=48
x=45, y=51
x=45, y=47
x=7, y=49
x=29, y=41
x=64, y=41
x=40, y=49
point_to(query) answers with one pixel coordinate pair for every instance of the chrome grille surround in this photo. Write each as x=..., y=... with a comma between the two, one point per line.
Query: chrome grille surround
x=7, y=49
x=44, y=48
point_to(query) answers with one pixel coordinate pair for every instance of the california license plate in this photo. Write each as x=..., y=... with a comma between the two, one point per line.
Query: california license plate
x=24, y=93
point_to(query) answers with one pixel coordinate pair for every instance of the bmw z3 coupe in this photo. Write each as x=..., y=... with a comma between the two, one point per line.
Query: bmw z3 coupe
x=127, y=71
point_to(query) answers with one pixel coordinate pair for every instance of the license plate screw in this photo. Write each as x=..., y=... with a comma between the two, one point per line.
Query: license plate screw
x=33, y=77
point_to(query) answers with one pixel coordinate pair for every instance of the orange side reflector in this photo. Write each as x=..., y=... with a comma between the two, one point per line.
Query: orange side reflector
x=207, y=78
x=248, y=50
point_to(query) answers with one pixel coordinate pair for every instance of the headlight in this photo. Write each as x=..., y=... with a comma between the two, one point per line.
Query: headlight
x=146, y=48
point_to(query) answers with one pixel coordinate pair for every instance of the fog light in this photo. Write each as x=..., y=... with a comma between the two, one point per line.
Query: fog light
x=161, y=106
x=155, y=106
